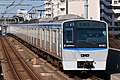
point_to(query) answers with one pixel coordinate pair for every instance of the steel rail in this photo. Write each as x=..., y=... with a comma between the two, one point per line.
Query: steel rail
x=31, y=73
x=16, y=76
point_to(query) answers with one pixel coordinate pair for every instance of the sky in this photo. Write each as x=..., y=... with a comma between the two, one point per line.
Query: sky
x=13, y=9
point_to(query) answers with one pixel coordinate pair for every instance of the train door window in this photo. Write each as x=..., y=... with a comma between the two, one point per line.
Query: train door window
x=32, y=40
x=48, y=35
x=54, y=36
x=69, y=35
x=42, y=34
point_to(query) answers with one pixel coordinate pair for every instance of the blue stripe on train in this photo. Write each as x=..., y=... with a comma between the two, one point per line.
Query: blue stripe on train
x=84, y=48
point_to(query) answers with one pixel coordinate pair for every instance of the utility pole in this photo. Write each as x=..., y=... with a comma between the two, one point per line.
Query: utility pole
x=41, y=11
x=86, y=9
x=66, y=6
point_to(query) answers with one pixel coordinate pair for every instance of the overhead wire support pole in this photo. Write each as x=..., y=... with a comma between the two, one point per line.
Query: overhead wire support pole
x=66, y=6
x=86, y=9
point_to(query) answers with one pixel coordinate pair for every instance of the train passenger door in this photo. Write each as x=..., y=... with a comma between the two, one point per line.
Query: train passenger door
x=48, y=40
x=53, y=41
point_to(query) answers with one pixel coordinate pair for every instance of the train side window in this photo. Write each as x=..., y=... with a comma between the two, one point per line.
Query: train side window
x=69, y=35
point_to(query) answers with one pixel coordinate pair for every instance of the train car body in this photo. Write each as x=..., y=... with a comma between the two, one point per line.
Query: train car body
x=79, y=44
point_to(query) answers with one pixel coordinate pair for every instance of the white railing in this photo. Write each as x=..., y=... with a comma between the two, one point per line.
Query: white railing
x=47, y=6
x=116, y=10
x=47, y=12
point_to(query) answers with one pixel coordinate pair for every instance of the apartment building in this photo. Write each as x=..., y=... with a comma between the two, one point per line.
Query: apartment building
x=106, y=10
x=116, y=10
x=110, y=12
x=61, y=7
x=23, y=13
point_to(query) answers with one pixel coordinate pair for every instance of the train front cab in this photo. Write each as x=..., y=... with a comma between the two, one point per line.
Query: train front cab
x=85, y=45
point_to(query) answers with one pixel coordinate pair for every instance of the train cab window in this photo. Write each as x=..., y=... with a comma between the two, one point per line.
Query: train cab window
x=69, y=35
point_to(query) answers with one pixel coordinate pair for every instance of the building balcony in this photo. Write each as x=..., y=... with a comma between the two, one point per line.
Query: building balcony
x=46, y=1
x=106, y=17
x=47, y=12
x=47, y=6
x=106, y=10
x=106, y=2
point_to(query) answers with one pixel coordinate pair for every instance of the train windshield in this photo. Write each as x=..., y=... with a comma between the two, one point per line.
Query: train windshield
x=91, y=37
x=85, y=34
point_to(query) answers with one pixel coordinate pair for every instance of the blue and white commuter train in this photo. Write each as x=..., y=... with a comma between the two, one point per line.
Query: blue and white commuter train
x=76, y=44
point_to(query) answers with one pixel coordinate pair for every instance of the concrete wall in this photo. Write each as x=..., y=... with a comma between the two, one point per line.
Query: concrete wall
x=94, y=9
x=77, y=7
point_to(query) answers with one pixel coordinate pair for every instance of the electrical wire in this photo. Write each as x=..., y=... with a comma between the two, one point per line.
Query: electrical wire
x=8, y=7
x=16, y=5
x=27, y=1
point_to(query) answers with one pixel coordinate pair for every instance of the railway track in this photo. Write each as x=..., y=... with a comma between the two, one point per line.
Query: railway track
x=20, y=56
x=30, y=55
x=18, y=68
x=43, y=67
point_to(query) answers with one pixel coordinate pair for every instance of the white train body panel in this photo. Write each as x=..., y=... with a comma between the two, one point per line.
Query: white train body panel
x=50, y=38
x=70, y=58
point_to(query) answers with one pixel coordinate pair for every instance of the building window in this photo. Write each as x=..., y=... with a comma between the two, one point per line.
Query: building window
x=115, y=2
x=110, y=16
x=62, y=9
x=62, y=0
x=100, y=11
x=116, y=23
x=110, y=23
x=118, y=1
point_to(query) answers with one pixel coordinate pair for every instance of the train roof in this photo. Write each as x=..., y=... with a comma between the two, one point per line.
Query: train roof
x=40, y=24
x=47, y=24
x=51, y=24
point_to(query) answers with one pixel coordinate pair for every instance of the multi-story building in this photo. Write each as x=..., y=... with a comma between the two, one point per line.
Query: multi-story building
x=23, y=13
x=110, y=12
x=48, y=8
x=107, y=10
x=61, y=7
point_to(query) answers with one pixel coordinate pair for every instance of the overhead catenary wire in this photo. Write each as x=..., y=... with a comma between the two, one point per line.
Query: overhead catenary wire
x=21, y=1
x=16, y=5
x=8, y=7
